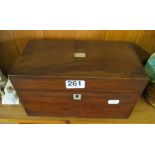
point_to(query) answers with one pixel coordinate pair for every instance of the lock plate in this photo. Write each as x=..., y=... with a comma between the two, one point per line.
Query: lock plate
x=76, y=96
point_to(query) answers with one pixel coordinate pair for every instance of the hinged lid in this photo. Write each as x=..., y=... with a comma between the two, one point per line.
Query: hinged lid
x=60, y=58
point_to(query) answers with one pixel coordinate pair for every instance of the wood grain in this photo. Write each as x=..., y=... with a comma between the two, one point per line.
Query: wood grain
x=39, y=77
x=15, y=41
x=146, y=39
x=23, y=36
x=142, y=113
x=16, y=114
x=9, y=52
x=57, y=84
x=92, y=105
x=53, y=34
x=69, y=34
x=59, y=34
x=90, y=34
x=122, y=35
x=2, y=67
x=59, y=57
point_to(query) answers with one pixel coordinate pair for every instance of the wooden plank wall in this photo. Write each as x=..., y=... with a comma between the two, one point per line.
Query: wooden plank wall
x=14, y=41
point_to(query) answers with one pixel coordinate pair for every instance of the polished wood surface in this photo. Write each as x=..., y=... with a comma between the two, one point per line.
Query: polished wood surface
x=14, y=41
x=143, y=113
x=56, y=58
x=93, y=84
x=92, y=105
x=58, y=100
x=40, y=73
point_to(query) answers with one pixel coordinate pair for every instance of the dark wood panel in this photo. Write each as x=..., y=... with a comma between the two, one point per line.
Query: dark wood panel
x=9, y=52
x=92, y=84
x=91, y=104
x=39, y=77
x=19, y=38
x=142, y=113
x=145, y=39
x=23, y=36
x=56, y=58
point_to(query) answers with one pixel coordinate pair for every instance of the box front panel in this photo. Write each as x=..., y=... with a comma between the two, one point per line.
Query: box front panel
x=103, y=98
x=69, y=104
x=91, y=84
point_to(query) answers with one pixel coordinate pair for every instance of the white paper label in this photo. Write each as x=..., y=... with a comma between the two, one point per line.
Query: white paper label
x=72, y=84
x=113, y=101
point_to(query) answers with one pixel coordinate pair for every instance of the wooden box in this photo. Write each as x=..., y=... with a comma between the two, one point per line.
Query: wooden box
x=78, y=78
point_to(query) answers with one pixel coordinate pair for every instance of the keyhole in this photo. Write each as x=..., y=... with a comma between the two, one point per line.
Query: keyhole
x=76, y=96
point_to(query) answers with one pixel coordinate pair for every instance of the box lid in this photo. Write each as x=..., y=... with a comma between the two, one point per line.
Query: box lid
x=60, y=58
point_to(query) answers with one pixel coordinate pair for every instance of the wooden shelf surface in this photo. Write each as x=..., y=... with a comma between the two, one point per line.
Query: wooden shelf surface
x=143, y=113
